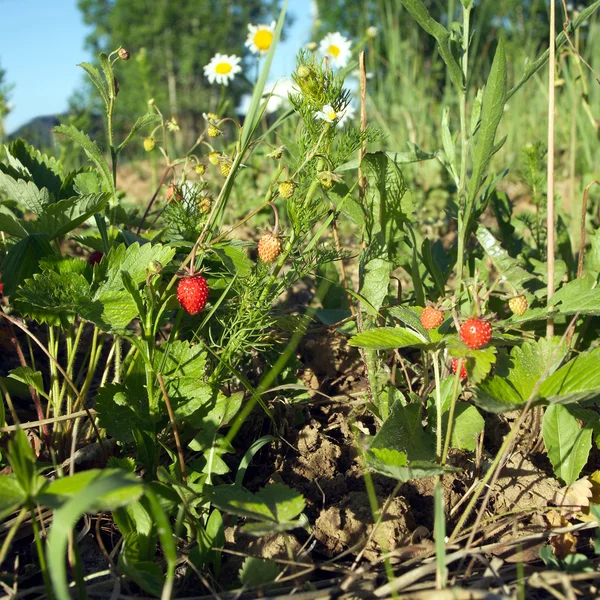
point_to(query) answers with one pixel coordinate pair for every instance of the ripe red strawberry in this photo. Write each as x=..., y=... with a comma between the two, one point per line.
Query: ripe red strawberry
x=463, y=369
x=95, y=257
x=269, y=248
x=518, y=305
x=475, y=333
x=192, y=293
x=431, y=317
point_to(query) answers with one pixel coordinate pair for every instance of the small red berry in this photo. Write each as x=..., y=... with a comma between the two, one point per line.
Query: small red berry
x=475, y=333
x=1, y=288
x=269, y=248
x=431, y=317
x=192, y=293
x=518, y=305
x=463, y=369
x=95, y=257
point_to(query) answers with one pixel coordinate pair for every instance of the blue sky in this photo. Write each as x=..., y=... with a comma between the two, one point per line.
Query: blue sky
x=41, y=42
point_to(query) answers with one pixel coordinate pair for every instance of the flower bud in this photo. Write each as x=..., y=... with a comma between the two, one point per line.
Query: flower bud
x=124, y=54
x=213, y=158
x=149, y=144
x=200, y=169
x=213, y=131
x=154, y=267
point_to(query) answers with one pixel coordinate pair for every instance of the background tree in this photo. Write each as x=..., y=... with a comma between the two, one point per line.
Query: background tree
x=4, y=106
x=170, y=42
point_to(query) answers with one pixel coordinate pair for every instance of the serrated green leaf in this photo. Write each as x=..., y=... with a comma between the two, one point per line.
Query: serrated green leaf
x=30, y=378
x=187, y=396
x=387, y=338
x=411, y=317
x=50, y=297
x=376, y=281
x=341, y=197
x=180, y=359
x=258, y=571
x=22, y=260
x=64, y=216
x=468, y=425
x=26, y=193
x=9, y=223
x=567, y=443
x=97, y=80
x=579, y=376
x=531, y=359
x=578, y=296
x=45, y=171
x=275, y=502
x=389, y=463
x=497, y=395
x=93, y=153
x=120, y=412
x=133, y=259
x=235, y=260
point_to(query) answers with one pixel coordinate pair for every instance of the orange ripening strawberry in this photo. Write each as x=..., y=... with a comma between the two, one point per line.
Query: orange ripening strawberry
x=475, y=333
x=192, y=293
x=269, y=248
x=431, y=317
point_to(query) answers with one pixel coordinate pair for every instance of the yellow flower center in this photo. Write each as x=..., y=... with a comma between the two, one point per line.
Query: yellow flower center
x=223, y=68
x=331, y=115
x=263, y=39
x=334, y=50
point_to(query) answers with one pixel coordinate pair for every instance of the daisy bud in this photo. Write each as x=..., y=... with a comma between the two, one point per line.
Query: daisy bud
x=311, y=46
x=124, y=54
x=149, y=144
x=372, y=32
x=277, y=153
x=200, y=169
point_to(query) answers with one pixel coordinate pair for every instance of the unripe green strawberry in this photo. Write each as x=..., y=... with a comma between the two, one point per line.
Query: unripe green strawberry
x=192, y=293
x=431, y=317
x=463, y=369
x=286, y=189
x=213, y=158
x=475, y=333
x=518, y=305
x=225, y=167
x=149, y=144
x=269, y=248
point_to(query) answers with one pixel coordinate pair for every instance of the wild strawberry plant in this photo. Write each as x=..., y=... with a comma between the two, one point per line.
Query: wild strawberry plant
x=156, y=331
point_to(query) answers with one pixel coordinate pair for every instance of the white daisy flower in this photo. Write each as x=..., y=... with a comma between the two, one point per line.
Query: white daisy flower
x=329, y=114
x=337, y=48
x=260, y=37
x=346, y=115
x=222, y=68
